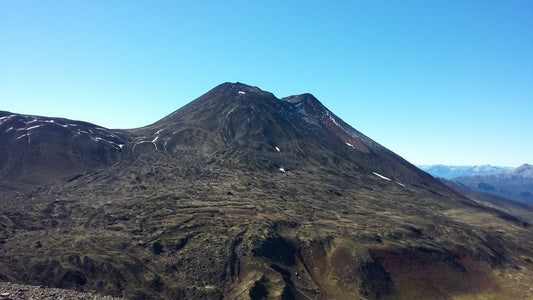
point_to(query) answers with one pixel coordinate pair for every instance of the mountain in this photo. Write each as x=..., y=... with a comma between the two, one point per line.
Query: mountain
x=449, y=172
x=241, y=195
x=516, y=184
x=39, y=149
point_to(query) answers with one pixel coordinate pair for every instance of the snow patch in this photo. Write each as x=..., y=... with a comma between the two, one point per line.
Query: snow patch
x=381, y=176
x=138, y=143
x=121, y=146
x=282, y=170
x=2, y=119
x=349, y=144
x=277, y=149
x=9, y=129
x=25, y=135
x=155, y=140
x=229, y=112
x=99, y=139
x=79, y=132
x=242, y=92
x=33, y=127
x=400, y=184
x=333, y=119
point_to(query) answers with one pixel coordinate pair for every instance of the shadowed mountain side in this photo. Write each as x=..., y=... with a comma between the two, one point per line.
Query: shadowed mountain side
x=241, y=195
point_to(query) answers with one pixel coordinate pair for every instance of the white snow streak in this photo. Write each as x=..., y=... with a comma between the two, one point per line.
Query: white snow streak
x=381, y=176
x=282, y=170
x=2, y=119
x=277, y=149
x=229, y=112
x=155, y=140
x=33, y=127
x=333, y=119
x=242, y=92
x=99, y=139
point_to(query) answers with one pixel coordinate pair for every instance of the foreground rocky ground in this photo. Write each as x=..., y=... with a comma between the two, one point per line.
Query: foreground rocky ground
x=27, y=292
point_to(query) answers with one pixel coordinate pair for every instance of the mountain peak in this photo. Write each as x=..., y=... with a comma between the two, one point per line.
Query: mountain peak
x=302, y=98
x=308, y=104
x=239, y=89
x=525, y=170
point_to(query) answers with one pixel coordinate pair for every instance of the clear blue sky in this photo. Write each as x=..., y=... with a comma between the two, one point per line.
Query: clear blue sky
x=435, y=81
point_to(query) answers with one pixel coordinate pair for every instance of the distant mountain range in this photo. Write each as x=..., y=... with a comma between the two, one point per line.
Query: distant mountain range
x=515, y=184
x=449, y=172
x=512, y=183
x=242, y=195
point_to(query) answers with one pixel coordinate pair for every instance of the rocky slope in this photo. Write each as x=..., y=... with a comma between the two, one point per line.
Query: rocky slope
x=10, y=291
x=242, y=195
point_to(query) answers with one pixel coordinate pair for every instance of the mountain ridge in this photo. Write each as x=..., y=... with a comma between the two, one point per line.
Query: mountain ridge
x=452, y=171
